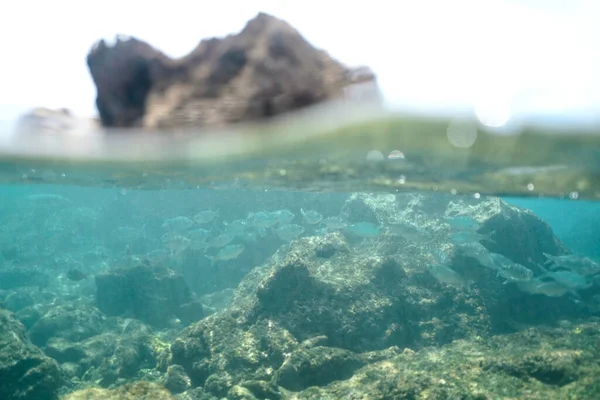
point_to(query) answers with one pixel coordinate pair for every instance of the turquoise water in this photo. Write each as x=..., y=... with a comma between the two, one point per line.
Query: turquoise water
x=306, y=268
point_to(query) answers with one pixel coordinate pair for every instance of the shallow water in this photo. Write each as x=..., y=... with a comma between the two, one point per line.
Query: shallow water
x=127, y=218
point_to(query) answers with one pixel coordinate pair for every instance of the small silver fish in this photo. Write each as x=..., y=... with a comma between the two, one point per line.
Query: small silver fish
x=205, y=217
x=177, y=224
x=462, y=237
x=177, y=243
x=364, y=229
x=579, y=265
x=263, y=219
x=289, y=232
x=229, y=252
x=220, y=240
x=311, y=217
x=510, y=270
x=449, y=276
x=569, y=279
x=284, y=217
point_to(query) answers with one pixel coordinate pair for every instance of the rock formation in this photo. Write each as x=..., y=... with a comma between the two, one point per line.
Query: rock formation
x=42, y=122
x=265, y=70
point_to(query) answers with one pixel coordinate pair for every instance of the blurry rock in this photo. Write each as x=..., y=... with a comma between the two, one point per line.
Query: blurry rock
x=518, y=233
x=316, y=366
x=131, y=391
x=553, y=363
x=177, y=380
x=265, y=70
x=152, y=294
x=191, y=312
x=44, y=122
x=25, y=372
x=69, y=321
x=73, y=322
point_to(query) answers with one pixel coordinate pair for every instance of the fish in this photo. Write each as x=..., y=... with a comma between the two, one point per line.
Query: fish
x=284, y=217
x=467, y=236
x=75, y=275
x=289, y=232
x=227, y=253
x=220, y=240
x=449, y=276
x=568, y=279
x=577, y=264
x=177, y=243
x=478, y=252
x=177, y=224
x=409, y=231
x=205, y=217
x=364, y=229
x=549, y=288
x=334, y=223
x=263, y=219
x=311, y=217
x=157, y=256
x=511, y=270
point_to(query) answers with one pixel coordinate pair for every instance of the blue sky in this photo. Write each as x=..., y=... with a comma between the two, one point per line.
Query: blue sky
x=528, y=55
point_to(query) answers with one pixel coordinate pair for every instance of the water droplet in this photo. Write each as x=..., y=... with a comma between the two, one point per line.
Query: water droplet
x=477, y=195
x=530, y=187
x=402, y=180
x=461, y=134
x=453, y=191
x=573, y=195
x=375, y=156
x=396, y=155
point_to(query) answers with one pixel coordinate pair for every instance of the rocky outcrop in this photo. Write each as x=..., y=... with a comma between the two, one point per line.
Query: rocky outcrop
x=265, y=70
x=326, y=303
x=25, y=372
x=42, y=122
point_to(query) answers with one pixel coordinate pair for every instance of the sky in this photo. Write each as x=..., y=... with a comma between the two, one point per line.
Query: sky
x=491, y=56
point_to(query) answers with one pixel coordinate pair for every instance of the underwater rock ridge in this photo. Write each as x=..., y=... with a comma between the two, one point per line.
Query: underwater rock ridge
x=265, y=70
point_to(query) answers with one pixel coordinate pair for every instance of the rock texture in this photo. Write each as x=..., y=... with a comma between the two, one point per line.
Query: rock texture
x=25, y=372
x=265, y=70
x=44, y=122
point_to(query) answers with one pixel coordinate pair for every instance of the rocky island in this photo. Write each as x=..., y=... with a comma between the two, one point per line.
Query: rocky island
x=265, y=70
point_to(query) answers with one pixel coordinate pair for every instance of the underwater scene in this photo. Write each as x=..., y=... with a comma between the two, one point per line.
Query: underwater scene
x=239, y=293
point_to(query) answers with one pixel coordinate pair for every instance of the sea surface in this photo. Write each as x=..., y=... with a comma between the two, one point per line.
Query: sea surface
x=299, y=257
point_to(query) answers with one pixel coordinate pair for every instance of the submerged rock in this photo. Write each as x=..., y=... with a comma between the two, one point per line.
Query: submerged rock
x=134, y=391
x=152, y=294
x=265, y=70
x=72, y=322
x=352, y=296
x=557, y=363
x=25, y=372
